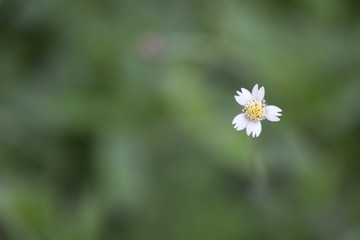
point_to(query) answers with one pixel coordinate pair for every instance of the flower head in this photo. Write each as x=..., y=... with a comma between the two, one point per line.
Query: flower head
x=254, y=111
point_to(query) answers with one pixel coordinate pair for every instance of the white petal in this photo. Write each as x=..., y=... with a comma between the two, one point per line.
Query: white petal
x=253, y=131
x=260, y=94
x=271, y=117
x=246, y=94
x=274, y=110
x=257, y=129
x=252, y=127
x=241, y=100
x=240, y=121
x=255, y=90
x=249, y=127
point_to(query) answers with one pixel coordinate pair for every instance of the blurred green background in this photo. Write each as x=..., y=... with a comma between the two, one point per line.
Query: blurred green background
x=115, y=119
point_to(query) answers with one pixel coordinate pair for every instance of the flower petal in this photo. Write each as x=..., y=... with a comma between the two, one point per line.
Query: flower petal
x=271, y=117
x=246, y=94
x=240, y=122
x=273, y=110
x=255, y=90
x=249, y=127
x=256, y=129
x=260, y=94
x=241, y=100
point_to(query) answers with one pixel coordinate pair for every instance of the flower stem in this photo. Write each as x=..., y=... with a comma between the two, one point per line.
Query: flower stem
x=257, y=169
x=253, y=157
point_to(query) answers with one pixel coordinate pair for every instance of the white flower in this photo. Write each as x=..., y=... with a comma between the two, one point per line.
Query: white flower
x=254, y=110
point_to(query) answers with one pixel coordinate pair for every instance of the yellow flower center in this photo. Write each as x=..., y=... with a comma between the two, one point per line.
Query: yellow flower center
x=255, y=110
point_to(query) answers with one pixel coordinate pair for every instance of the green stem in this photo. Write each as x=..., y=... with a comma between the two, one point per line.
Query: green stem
x=259, y=180
x=253, y=157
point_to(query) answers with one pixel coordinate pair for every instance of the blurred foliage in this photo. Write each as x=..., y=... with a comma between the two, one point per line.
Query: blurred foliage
x=115, y=119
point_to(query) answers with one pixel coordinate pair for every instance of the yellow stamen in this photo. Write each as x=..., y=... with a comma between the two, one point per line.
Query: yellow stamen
x=255, y=110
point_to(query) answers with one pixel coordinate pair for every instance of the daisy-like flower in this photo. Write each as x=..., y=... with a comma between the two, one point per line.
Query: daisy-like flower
x=255, y=110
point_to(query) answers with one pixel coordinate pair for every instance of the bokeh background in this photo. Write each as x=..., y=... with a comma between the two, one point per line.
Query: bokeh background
x=115, y=119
